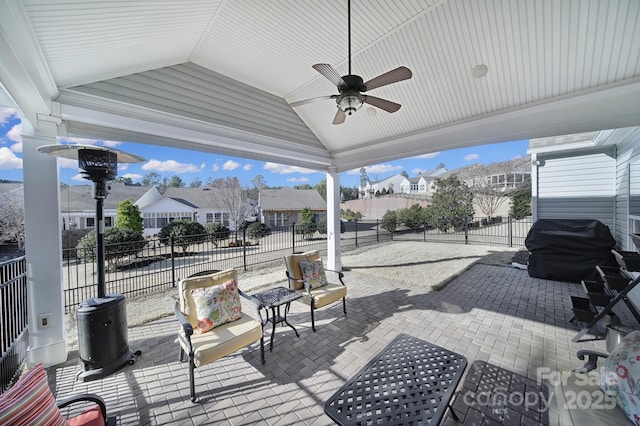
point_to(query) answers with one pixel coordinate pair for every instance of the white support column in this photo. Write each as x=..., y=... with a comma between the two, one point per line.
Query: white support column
x=43, y=249
x=333, y=220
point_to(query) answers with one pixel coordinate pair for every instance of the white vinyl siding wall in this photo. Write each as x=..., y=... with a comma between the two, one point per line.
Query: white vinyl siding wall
x=577, y=187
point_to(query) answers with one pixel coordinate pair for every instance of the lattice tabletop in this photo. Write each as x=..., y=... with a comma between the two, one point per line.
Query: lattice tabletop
x=410, y=382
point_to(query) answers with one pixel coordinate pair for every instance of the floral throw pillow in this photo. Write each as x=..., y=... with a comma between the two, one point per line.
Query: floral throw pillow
x=313, y=273
x=621, y=375
x=216, y=305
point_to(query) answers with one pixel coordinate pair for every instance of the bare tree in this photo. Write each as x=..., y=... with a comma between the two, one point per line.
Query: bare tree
x=232, y=199
x=492, y=183
x=12, y=218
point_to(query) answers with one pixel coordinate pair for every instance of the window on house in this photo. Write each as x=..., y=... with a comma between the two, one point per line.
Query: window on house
x=209, y=217
x=91, y=222
x=108, y=221
x=414, y=186
x=149, y=222
x=162, y=221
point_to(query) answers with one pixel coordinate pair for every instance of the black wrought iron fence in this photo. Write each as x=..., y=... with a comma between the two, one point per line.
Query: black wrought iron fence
x=14, y=324
x=501, y=231
x=160, y=264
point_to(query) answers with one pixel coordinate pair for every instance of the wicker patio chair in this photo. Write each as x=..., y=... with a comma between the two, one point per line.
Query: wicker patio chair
x=198, y=341
x=313, y=294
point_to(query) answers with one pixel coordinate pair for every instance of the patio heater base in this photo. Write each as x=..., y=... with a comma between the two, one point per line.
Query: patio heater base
x=102, y=337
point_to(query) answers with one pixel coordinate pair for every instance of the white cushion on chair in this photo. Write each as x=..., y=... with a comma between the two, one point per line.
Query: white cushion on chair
x=222, y=340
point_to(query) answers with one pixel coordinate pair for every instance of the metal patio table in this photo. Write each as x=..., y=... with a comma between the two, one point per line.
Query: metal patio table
x=273, y=299
x=410, y=382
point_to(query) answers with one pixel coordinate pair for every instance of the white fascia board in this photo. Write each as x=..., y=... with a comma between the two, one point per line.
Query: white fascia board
x=610, y=107
x=165, y=125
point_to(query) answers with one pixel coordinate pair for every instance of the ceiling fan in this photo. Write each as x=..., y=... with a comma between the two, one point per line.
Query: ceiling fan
x=351, y=86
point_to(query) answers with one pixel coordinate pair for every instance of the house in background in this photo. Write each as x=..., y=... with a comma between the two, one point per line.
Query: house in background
x=282, y=207
x=396, y=183
x=201, y=205
x=78, y=207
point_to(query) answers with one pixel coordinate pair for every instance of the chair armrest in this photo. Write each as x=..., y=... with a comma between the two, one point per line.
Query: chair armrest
x=84, y=397
x=592, y=362
x=251, y=298
x=340, y=275
x=186, y=325
x=306, y=285
x=255, y=301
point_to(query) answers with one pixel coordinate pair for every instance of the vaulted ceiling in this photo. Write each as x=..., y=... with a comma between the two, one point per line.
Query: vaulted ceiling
x=218, y=75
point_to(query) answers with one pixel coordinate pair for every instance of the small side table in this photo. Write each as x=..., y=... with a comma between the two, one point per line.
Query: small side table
x=273, y=299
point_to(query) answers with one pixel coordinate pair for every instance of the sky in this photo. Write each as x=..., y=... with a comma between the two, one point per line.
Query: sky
x=191, y=165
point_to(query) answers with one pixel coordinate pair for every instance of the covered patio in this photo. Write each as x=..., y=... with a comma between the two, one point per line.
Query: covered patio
x=219, y=77
x=491, y=313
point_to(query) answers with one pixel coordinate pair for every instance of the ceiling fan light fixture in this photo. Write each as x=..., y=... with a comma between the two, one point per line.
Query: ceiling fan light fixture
x=350, y=103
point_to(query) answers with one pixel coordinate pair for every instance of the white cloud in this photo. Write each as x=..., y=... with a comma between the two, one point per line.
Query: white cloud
x=246, y=167
x=171, y=166
x=230, y=165
x=132, y=176
x=78, y=178
x=123, y=166
x=471, y=157
x=377, y=169
x=9, y=160
x=429, y=155
x=416, y=172
x=15, y=133
x=82, y=141
x=16, y=147
x=6, y=114
x=215, y=167
x=298, y=179
x=282, y=169
x=67, y=163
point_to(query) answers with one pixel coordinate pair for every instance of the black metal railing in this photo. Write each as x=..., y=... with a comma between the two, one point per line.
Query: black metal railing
x=14, y=325
x=496, y=231
x=160, y=264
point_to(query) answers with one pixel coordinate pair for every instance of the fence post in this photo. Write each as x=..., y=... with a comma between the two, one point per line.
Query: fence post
x=377, y=230
x=244, y=247
x=510, y=231
x=466, y=230
x=356, y=232
x=173, y=264
x=424, y=231
x=293, y=238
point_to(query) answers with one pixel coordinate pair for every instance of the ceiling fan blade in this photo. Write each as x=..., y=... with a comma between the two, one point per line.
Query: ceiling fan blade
x=340, y=116
x=382, y=103
x=308, y=101
x=330, y=73
x=393, y=76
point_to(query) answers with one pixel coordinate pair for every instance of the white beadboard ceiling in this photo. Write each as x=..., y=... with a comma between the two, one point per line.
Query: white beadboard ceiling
x=217, y=75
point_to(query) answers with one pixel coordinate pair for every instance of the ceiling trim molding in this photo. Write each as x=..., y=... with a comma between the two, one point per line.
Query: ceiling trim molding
x=23, y=69
x=150, y=125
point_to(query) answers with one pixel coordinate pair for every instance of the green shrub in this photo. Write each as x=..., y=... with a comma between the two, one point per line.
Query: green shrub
x=389, y=221
x=322, y=226
x=183, y=232
x=118, y=243
x=257, y=230
x=217, y=232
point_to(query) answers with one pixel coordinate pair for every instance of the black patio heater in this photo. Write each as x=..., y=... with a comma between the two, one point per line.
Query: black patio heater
x=101, y=321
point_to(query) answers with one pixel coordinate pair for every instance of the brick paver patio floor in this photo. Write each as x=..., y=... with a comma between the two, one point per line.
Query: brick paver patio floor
x=495, y=314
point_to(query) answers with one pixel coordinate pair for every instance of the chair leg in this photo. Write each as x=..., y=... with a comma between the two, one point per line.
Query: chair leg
x=313, y=321
x=181, y=358
x=192, y=382
x=344, y=305
x=262, y=349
